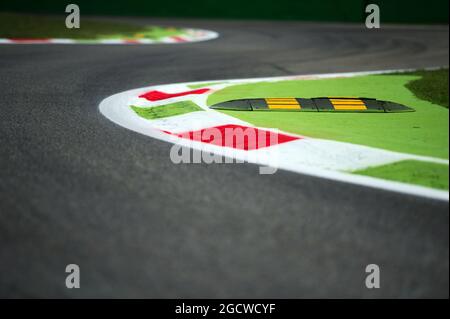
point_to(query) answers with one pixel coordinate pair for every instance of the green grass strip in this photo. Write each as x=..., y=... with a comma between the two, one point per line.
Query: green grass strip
x=202, y=85
x=13, y=25
x=167, y=110
x=424, y=132
x=413, y=172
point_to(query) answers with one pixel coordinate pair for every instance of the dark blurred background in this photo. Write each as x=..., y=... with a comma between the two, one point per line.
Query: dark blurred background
x=397, y=11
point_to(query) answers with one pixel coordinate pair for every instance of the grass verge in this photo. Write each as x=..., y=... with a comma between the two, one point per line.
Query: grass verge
x=203, y=85
x=424, y=132
x=161, y=111
x=13, y=25
x=413, y=172
x=432, y=86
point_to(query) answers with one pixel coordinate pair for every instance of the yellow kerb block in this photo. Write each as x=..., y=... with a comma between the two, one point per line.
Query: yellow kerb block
x=283, y=103
x=348, y=104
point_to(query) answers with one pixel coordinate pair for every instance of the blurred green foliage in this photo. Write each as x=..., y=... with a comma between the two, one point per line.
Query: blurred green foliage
x=400, y=11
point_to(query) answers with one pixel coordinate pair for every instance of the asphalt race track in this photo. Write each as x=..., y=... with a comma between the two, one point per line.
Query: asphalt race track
x=76, y=188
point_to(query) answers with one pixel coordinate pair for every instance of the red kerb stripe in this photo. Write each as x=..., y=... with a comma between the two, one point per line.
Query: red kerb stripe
x=237, y=136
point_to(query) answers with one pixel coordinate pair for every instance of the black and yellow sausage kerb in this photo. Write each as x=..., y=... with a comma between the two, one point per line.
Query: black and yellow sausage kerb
x=320, y=104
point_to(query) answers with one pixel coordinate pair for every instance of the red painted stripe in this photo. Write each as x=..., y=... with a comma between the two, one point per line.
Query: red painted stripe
x=131, y=41
x=237, y=136
x=158, y=95
x=178, y=39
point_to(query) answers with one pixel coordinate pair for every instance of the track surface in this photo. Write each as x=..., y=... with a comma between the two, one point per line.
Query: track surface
x=76, y=188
